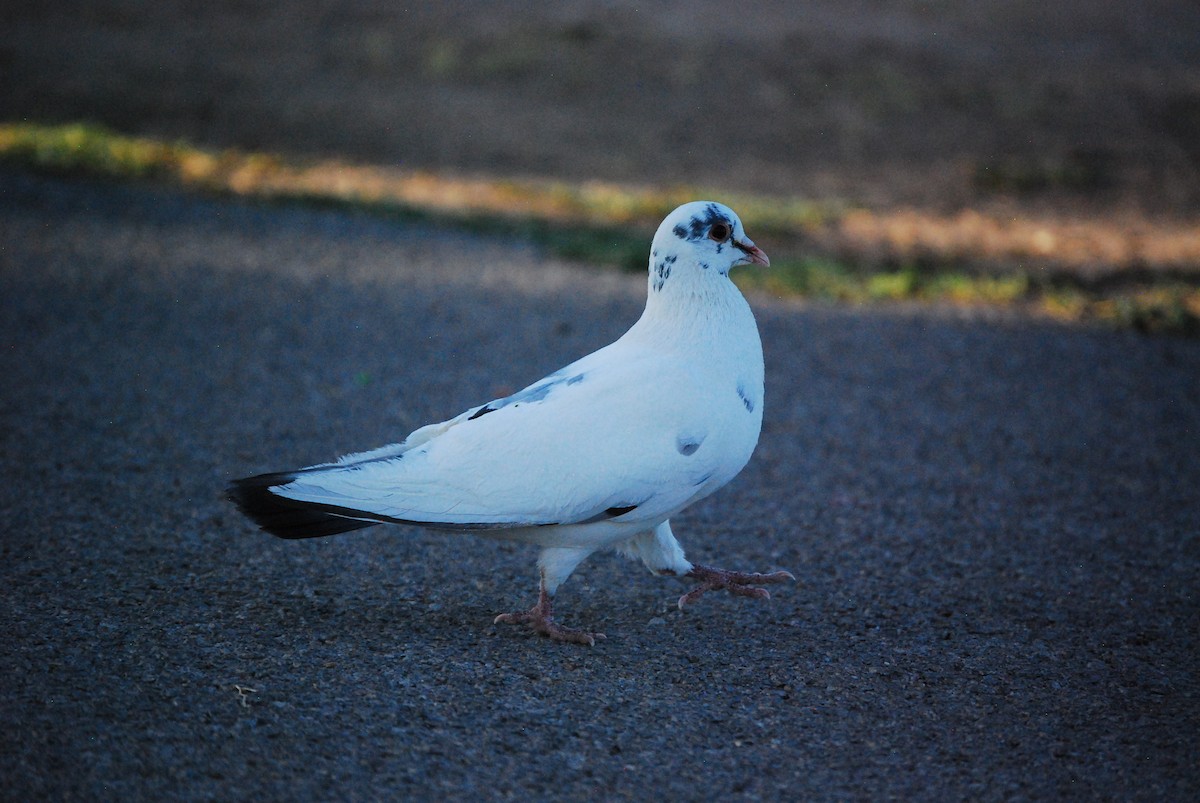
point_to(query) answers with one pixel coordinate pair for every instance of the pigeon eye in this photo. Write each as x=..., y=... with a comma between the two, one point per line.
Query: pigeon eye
x=719, y=232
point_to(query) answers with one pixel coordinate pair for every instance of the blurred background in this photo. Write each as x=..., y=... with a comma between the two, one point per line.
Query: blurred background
x=1078, y=120
x=878, y=101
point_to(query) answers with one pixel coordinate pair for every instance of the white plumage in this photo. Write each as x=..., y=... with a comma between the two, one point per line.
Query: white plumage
x=599, y=454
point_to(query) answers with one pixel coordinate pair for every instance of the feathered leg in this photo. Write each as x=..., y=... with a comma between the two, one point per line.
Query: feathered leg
x=663, y=555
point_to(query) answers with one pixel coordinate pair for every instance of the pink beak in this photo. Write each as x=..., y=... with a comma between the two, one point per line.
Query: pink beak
x=752, y=252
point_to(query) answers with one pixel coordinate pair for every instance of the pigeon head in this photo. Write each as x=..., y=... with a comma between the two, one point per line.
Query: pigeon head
x=701, y=236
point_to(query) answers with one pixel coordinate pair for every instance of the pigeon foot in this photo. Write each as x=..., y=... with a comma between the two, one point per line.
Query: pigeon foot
x=541, y=618
x=739, y=583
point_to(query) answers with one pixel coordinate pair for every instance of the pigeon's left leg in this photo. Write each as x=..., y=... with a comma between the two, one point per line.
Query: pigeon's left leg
x=659, y=550
x=555, y=565
x=663, y=555
x=740, y=583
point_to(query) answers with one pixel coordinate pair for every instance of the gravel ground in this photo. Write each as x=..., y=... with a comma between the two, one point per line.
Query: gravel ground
x=993, y=523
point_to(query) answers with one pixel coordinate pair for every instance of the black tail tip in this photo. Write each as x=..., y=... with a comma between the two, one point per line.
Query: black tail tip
x=282, y=517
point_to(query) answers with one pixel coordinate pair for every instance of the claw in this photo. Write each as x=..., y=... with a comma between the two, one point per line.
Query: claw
x=541, y=618
x=738, y=583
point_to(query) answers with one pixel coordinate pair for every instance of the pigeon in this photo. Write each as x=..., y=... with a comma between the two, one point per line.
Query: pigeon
x=597, y=455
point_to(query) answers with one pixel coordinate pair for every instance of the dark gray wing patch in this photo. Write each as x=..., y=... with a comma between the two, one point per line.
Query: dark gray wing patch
x=482, y=411
x=745, y=397
x=608, y=513
x=534, y=393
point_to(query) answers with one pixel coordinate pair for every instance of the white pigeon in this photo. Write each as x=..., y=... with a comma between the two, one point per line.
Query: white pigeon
x=600, y=454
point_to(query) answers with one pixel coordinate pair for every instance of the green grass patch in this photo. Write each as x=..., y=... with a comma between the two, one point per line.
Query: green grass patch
x=1169, y=308
x=82, y=148
x=828, y=280
x=594, y=222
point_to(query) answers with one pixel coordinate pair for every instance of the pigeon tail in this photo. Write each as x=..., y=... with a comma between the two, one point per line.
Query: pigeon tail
x=287, y=518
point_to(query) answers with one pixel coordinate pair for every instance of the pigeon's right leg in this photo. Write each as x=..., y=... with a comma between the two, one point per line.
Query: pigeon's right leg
x=555, y=565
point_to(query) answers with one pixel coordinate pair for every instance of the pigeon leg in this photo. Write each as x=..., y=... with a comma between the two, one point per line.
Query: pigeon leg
x=541, y=618
x=739, y=583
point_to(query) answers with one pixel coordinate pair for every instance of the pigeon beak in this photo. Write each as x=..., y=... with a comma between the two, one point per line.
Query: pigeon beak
x=753, y=254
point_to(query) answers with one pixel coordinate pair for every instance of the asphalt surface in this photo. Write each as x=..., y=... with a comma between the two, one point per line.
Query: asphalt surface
x=994, y=525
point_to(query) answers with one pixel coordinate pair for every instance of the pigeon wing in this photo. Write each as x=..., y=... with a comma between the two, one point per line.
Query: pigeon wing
x=615, y=435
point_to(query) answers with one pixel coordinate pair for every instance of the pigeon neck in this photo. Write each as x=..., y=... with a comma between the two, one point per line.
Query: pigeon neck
x=692, y=307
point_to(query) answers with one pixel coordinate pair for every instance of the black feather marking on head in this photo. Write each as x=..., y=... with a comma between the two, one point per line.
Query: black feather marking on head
x=699, y=226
